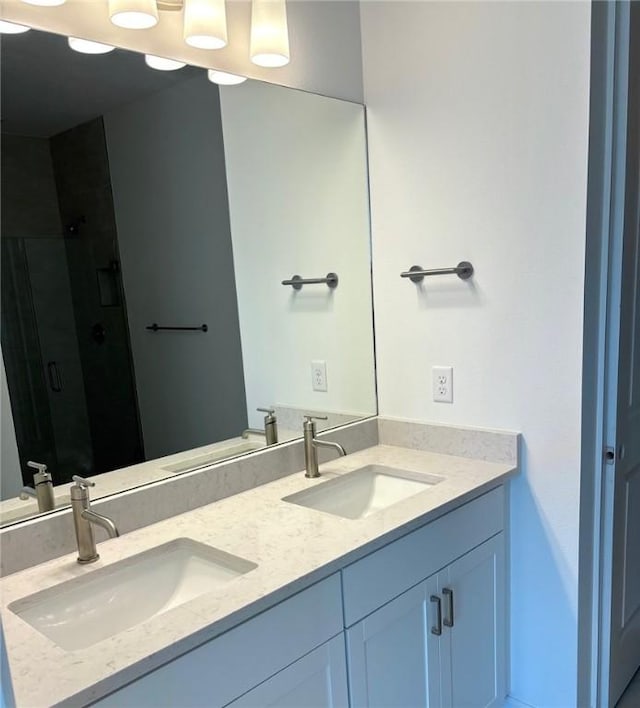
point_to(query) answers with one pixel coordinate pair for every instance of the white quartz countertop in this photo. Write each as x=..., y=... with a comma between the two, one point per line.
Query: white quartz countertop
x=293, y=547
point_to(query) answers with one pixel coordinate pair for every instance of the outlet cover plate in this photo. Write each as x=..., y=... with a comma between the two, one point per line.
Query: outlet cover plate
x=442, y=384
x=319, y=375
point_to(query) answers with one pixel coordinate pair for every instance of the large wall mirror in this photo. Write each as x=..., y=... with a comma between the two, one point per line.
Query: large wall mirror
x=148, y=221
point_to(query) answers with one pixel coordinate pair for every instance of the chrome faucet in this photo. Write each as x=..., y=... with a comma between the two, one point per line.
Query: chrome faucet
x=84, y=517
x=270, y=427
x=311, y=445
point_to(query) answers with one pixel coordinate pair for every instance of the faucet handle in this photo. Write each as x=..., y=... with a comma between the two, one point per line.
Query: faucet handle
x=270, y=411
x=309, y=418
x=41, y=475
x=82, y=482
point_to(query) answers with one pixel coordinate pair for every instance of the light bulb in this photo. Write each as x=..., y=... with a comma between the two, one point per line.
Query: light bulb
x=162, y=64
x=12, y=28
x=84, y=46
x=269, y=33
x=45, y=3
x=224, y=78
x=133, y=14
x=205, y=24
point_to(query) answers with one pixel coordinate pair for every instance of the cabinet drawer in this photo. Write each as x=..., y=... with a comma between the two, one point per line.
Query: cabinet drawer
x=221, y=670
x=376, y=579
x=317, y=680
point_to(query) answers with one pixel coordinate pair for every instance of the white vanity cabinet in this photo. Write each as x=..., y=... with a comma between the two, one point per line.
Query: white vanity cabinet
x=363, y=636
x=285, y=653
x=439, y=644
x=436, y=636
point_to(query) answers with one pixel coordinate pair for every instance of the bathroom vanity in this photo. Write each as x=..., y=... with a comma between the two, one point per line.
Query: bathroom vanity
x=405, y=603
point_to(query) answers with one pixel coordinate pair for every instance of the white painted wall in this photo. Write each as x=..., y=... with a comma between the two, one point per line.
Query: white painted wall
x=478, y=120
x=324, y=39
x=312, y=149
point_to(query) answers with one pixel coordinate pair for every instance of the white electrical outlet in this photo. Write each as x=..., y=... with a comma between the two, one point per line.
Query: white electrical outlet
x=319, y=375
x=442, y=381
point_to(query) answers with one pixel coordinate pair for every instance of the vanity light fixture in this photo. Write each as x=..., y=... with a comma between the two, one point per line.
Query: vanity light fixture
x=133, y=14
x=45, y=3
x=84, y=46
x=162, y=64
x=204, y=27
x=12, y=28
x=269, y=33
x=205, y=24
x=224, y=78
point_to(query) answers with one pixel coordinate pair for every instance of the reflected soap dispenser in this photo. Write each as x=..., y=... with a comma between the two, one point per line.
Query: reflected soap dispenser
x=44, y=486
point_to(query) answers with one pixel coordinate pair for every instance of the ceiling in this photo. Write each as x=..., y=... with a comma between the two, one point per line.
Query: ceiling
x=47, y=88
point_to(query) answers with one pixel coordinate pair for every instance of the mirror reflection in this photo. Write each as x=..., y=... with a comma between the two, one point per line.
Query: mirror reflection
x=149, y=219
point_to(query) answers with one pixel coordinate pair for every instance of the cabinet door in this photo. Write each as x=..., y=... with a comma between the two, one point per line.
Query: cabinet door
x=317, y=680
x=473, y=664
x=393, y=656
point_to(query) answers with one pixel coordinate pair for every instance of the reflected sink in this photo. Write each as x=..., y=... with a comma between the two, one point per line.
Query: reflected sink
x=364, y=491
x=214, y=456
x=81, y=612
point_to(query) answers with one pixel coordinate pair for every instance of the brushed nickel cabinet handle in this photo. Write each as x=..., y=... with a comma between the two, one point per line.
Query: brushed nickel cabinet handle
x=448, y=620
x=437, y=629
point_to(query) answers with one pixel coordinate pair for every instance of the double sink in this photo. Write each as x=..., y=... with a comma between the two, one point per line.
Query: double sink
x=81, y=612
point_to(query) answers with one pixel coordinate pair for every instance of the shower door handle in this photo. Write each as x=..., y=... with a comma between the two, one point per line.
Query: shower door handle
x=55, y=382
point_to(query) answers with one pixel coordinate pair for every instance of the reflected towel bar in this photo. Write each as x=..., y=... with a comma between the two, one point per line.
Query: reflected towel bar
x=297, y=281
x=463, y=270
x=156, y=328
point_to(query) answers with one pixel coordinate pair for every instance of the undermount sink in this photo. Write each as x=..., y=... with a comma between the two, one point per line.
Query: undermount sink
x=81, y=612
x=358, y=494
x=213, y=456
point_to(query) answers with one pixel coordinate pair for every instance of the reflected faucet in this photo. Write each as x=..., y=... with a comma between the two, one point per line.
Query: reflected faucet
x=84, y=517
x=270, y=427
x=43, y=484
x=311, y=445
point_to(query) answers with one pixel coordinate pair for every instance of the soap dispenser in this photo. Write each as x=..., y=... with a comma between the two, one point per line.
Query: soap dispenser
x=44, y=486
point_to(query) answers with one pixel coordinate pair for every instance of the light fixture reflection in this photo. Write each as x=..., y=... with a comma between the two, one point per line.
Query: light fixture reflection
x=133, y=14
x=205, y=24
x=84, y=46
x=45, y=3
x=12, y=28
x=269, y=33
x=162, y=64
x=225, y=79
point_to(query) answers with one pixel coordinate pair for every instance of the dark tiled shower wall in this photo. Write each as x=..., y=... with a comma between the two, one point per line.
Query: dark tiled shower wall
x=29, y=203
x=83, y=184
x=29, y=213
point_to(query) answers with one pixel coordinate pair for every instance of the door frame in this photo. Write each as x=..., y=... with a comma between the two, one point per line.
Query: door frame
x=610, y=23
